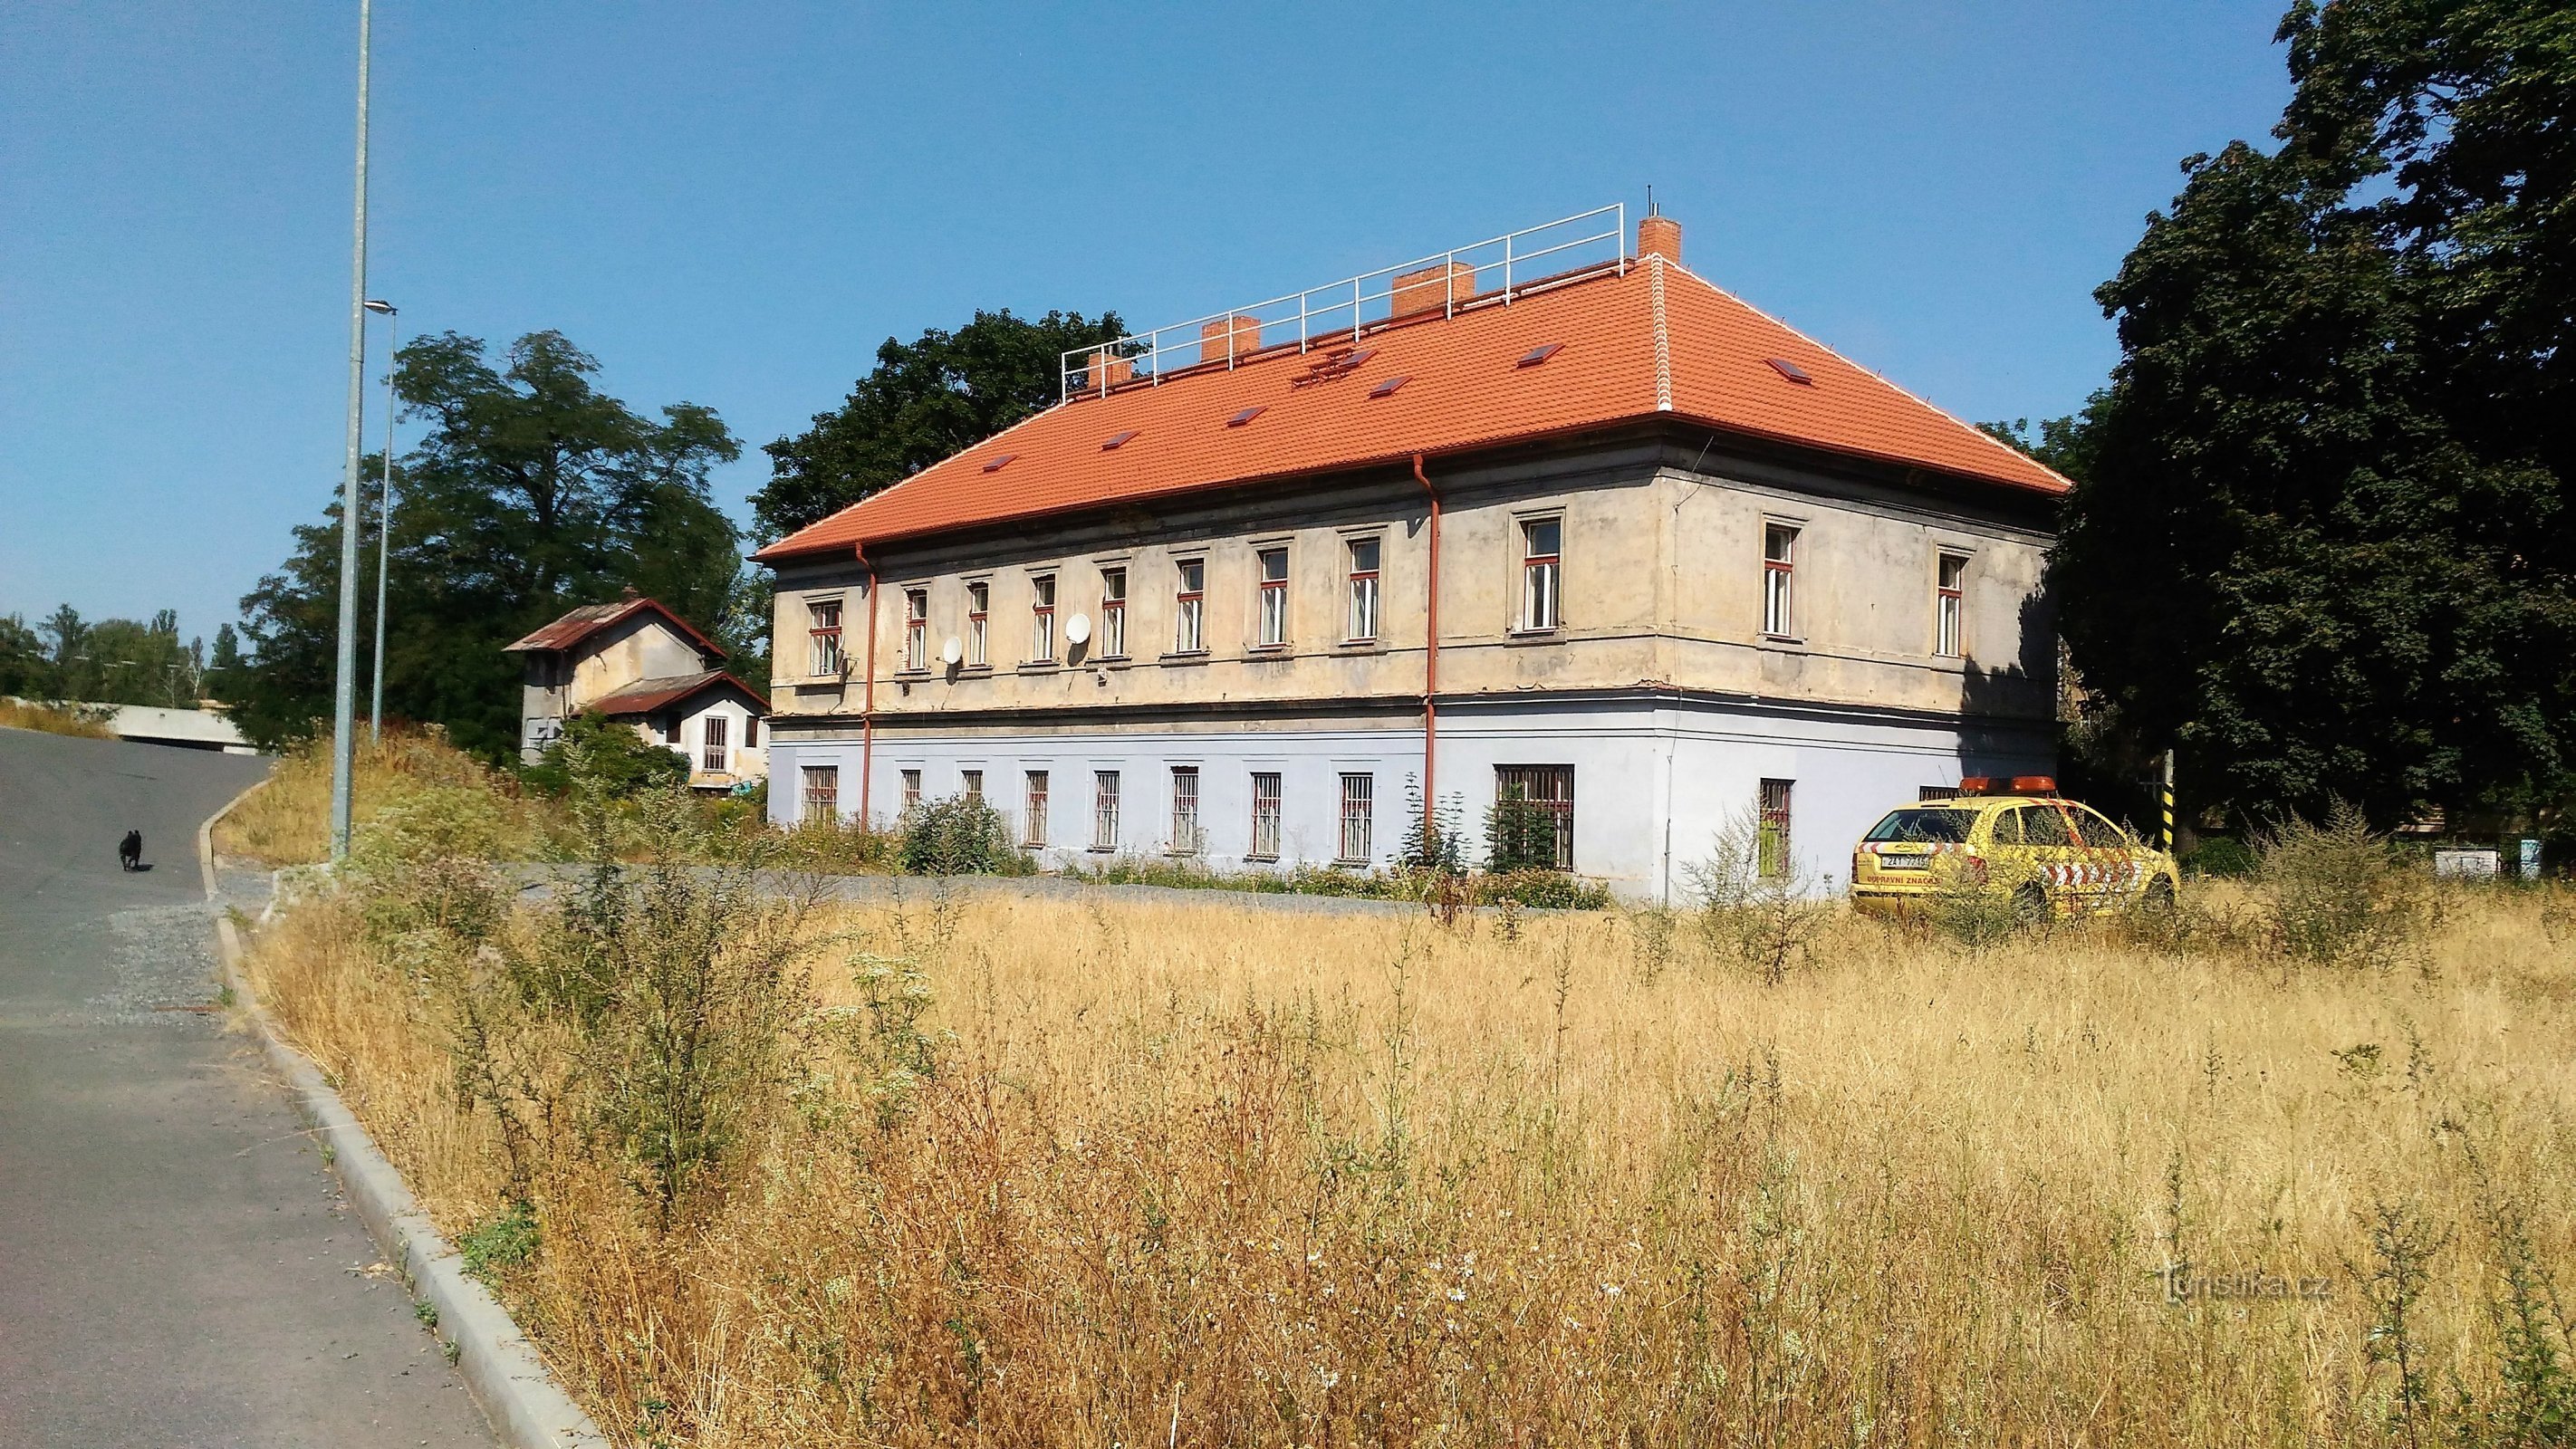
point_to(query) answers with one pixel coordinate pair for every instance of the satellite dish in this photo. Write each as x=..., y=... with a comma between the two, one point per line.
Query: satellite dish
x=953, y=650
x=1077, y=628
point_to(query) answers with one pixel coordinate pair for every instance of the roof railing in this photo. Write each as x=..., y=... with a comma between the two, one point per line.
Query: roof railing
x=1571, y=248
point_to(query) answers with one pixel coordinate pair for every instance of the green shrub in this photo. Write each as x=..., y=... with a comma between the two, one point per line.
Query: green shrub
x=604, y=759
x=2221, y=857
x=1519, y=835
x=1542, y=890
x=2336, y=894
x=960, y=835
x=505, y=1240
x=1757, y=904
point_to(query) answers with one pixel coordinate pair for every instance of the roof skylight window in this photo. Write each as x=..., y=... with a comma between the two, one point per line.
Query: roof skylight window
x=995, y=463
x=1118, y=440
x=1791, y=371
x=1539, y=354
x=1388, y=387
x=1247, y=415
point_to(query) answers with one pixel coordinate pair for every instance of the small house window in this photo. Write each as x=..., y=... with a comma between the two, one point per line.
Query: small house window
x=1274, y=597
x=1113, y=613
x=1359, y=803
x=1779, y=574
x=1265, y=816
x=1185, y=810
x=1362, y=626
x=751, y=732
x=1540, y=581
x=822, y=794
x=713, y=752
x=824, y=635
x=1042, y=619
x=1950, y=597
x=1033, y=825
x=979, y=603
x=1189, y=601
x=916, y=629
x=1104, y=810
x=1771, y=840
x=972, y=782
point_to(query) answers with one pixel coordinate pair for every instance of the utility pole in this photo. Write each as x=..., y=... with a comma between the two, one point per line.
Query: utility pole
x=2168, y=800
x=344, y=674
x=384, y=521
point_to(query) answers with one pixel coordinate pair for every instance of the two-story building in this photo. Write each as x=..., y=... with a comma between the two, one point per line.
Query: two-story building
x=638, y=663
x=1584, y=525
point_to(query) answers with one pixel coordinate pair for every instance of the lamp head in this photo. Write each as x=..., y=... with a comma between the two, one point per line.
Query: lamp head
x=380, y=306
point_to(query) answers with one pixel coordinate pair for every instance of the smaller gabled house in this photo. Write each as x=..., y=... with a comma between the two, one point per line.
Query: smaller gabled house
x=637, y=662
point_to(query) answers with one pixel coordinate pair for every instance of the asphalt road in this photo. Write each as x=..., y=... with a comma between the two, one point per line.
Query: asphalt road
x=176, y=1265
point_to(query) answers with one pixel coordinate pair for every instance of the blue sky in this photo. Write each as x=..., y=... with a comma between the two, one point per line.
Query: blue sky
x=733, y=205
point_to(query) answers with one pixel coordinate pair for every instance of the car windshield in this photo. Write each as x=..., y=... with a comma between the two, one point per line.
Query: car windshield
x=1935, y=826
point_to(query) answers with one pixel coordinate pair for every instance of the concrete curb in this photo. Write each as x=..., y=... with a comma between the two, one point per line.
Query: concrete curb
x=526, y=1407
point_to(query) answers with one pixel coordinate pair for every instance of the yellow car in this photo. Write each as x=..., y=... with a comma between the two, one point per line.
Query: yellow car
x=2049, y=855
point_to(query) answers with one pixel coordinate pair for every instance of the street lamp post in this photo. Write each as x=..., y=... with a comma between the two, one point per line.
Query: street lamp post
x=345, y=666
x=384, y=518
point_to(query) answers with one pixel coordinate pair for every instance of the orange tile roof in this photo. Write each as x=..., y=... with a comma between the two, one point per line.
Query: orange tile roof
x=645, y=696
x=1463, y=391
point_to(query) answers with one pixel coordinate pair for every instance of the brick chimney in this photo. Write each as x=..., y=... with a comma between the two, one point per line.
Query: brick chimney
x=1100, y=366
x=1659, y=236
x=1247, y=338
x=1432, y=288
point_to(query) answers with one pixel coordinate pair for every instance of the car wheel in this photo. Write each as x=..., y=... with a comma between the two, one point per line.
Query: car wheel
x=2030, y=906
x=2159, y=895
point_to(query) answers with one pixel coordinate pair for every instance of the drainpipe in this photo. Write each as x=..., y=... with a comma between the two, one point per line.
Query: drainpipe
x=868, y=704
x=1431, y=654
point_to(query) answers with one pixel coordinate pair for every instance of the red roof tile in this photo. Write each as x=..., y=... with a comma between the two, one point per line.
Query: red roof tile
x=579, y=624
x=1463, y=390
x=645, y=696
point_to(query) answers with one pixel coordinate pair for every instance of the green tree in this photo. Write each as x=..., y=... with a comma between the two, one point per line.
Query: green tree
x=2320, y=537
x=26, y=668
x=224, y=666
x=923, y=401
x=533, y=492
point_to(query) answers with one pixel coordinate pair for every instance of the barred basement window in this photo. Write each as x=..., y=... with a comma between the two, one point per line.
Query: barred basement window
x=911, y=789
x=1549, y=789
x=973, y=783
x=1359, y=798
x=1033, y=827
x=1265, y=816
x=1771, y=841
x=822, y=794
x=1185, y=810
x=1104, y=810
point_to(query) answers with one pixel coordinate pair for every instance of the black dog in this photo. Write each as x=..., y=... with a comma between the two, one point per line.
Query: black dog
x=129, y=851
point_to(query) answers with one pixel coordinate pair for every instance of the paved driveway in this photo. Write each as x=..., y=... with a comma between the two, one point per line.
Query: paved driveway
x=176, y=1267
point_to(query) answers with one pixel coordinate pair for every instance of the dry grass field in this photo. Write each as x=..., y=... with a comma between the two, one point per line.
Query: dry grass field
x=26, y=715
x=1093, y=1173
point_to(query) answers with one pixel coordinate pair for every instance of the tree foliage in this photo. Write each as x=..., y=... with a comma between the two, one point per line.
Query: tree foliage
x=2320, y=538
x=533, y=492
x=112, y=661
x=924, y=400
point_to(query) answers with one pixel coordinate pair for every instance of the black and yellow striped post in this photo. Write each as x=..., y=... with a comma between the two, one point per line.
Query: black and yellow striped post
x=2167, y=802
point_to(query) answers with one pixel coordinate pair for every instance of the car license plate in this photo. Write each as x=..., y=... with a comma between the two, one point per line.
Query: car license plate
x=1905, y=862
